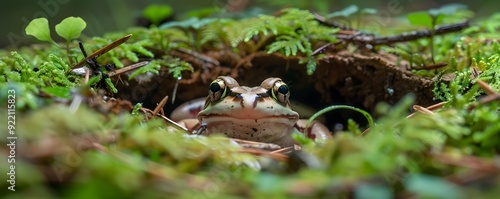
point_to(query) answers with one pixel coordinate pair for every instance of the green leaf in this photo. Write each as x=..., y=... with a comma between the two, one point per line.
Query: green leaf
x=448, y=9
x=424, y=18
x=70, y=28
x=58, y=91
x=421, y=18
x=157, y=13
x=39, y=28
x=346, y=12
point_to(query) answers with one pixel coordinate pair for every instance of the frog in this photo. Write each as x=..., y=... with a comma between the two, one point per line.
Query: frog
x=261, y=113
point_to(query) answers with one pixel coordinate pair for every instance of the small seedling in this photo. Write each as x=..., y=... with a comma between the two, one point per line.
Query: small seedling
x=431, y=18
x=69, y=29
x=349, y=11
x=346, y=12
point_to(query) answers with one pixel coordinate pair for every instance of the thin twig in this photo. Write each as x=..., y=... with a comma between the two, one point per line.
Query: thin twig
x=486, y=87
x=128, y=68
x=101, y=51
x=409, y=36
x=260, y=152
x=422, y=110
x=431, y=108
x=432, y=66
x=199, y=56
x=468, y=162
x=176, y=125
x=160, y=105
x=492, y=95
x=322, y=20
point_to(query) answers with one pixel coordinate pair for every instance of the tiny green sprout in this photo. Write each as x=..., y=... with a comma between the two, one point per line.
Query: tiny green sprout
x=70, y=28
x=433, y=17
x=39, y=28
x=351, y=10
x=156, y=13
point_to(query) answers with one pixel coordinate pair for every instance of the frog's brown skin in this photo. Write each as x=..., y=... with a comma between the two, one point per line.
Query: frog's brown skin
x=261, y=113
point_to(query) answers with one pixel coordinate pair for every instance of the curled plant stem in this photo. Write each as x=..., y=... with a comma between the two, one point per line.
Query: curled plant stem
x=330, y=108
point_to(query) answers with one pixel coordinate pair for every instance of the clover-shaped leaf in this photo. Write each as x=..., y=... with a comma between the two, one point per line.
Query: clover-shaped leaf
x=421, y=18
x=39, y=28
x=70, y=28
x=425, y=18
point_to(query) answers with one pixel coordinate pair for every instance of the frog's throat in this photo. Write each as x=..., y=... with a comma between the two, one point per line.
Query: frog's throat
x=275, y=130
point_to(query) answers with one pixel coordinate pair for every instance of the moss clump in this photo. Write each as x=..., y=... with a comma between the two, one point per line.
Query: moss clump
x=94, y=147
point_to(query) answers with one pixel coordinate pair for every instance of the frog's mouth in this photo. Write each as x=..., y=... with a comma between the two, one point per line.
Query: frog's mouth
x=271, y=129
x=224, y=117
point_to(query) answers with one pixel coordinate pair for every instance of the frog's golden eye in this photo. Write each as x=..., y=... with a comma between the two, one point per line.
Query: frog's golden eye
x=281, y=92
x=216, y=90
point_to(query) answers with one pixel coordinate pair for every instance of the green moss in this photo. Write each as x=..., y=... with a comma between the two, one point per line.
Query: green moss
x=103, y=154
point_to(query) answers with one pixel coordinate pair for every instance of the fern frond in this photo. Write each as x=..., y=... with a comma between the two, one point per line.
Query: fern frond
x=176, y=67
x=261, y=25
x=292, y=14
x=152, y=67
x=225, y=31
x=288, y=45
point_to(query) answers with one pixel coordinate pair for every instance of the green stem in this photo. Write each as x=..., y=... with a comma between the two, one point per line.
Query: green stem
x=67, y=52
x=330, y=108
x=432, y=37
x=55, y=43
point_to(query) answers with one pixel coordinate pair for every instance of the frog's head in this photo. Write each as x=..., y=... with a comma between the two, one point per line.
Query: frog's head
x=259, y=113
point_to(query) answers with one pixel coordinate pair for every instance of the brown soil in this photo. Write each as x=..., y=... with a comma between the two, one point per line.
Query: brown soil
x=361, y=80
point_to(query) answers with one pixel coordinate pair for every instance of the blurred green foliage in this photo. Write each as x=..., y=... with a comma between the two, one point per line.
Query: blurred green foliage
x=156, y=13
x=83, y=152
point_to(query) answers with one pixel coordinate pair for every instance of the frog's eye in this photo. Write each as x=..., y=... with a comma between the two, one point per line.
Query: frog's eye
x=281, y=92
x=216, y=90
